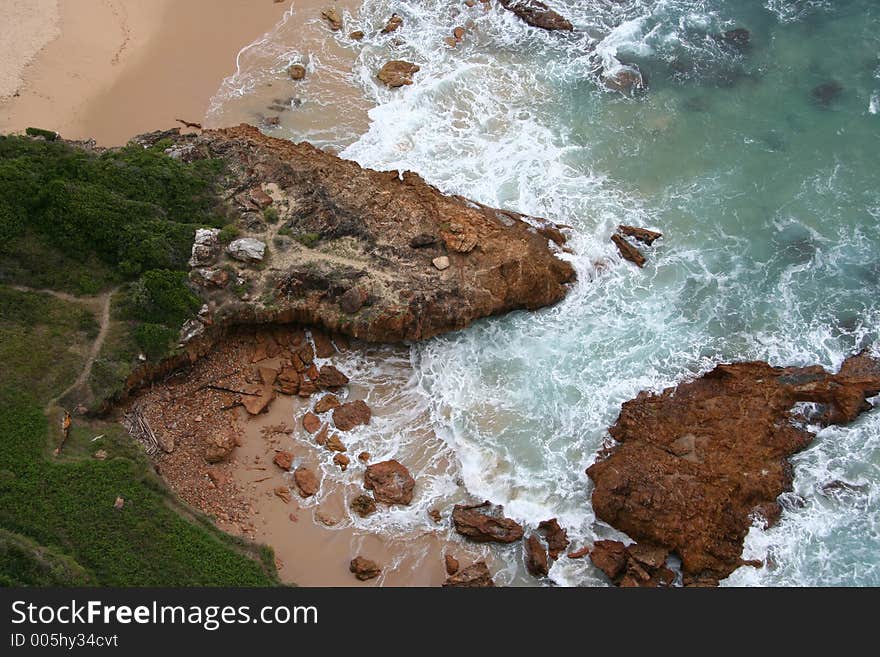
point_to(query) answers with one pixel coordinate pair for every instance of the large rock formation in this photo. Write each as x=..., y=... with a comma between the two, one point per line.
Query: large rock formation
x=696, y=463
x=335, y=227
x=537, y=14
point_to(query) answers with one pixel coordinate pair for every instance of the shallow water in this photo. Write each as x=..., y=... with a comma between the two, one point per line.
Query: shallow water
x=768, y=198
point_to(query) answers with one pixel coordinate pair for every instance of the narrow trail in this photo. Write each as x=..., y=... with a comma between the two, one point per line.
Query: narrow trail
x=101, y=301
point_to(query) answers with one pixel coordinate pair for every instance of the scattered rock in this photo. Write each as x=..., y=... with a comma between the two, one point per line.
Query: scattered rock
x=297, y=71
x=397, y=73
x=537, y=14
x=393, y=23
x=119, y=503
x=557, y=537
x=632, y=566
x=357, y=35
x=450, y=41
x=641, y=234
x=323, y=345
x=442, y=263
x=206, y=277
x=101, y=454
x=363, y=457
x=579, y=554
x=364, y=569
x=333, y=18
x=363, y=505
x=311, y=422
x=485, y=522
x=434, y=514
x=247, y=249
x=692, y=464
x=218, y=478
x=306, y=481
x=327, y=403
x=321, y=436
x=347, y=416
x=476, y=575
x=218, y=447
x=458, y=33
x=342, y=461
x=628, y=251
x=390, y=482
x=334, y=444
x=283, y=460
x=331, y=378
x=283, y=492
x=326, y=518
x=452, y=565
x=536, y=557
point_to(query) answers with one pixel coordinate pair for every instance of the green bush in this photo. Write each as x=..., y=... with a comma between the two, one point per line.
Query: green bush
x=155, y=340
x=308, y=240
x=271, y=215
x=228, y=233
x=48, y=135
x=161, y=296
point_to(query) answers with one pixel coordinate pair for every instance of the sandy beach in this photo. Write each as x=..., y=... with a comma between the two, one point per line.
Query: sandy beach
x=110, y=69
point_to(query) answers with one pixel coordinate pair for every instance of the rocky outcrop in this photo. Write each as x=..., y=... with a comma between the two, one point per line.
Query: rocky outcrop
x=537, y=14
x=485, y=523
x=352, y=414
x=342, y=227
x=390, y=482
x=694, y=465
x=474, y=576
x=557, y=537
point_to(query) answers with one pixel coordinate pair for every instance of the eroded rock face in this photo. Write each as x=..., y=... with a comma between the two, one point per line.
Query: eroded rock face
x=484, y=523
x=476, y=575
x=695, y=462
x=537, y=14
x=390, y=482
x=498, y=260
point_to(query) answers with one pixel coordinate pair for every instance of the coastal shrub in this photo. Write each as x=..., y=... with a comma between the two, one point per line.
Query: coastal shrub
x=308, y=240
x=48, y=135
x=228, y=233
x=271, y=215
x=155, y=340
x=161, y=296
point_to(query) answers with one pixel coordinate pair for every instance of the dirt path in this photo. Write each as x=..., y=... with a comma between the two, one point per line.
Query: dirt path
x=100, y=305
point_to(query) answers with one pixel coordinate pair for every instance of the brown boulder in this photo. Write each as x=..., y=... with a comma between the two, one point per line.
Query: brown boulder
x=628, y=251
x=258, y=399
x=537, y=14
x=641, y=234
x=329, y=377
x=393, y=23
x=476, y=575
x=283, y=460
x=342, y=461
x=333, y=18
x=610, y=557
x=323, y=345
x=306, y=481
x=327, y=403
x=485, y=522
x=364, y=569
x=557, y=537
x=219, y=446
x=694, y=463
x=627, y=80
x=536, y=557
x=397, y=73
x=334, y=444
x=390, y=482
x=347, y=416
x=363, y=505
x=296, y=71
x=311, y=422
x=283, y=493
x=363, y=457
x=452, y=565
x=353, y=300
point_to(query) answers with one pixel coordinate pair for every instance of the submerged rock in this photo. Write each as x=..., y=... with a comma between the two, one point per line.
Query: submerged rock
x=634, y=565
x=397, y=73
x=393, y=23
x=627, y=80
x=739, y=38
x=296, y=71
x=537, y=14
x=363, y=505
x=693, y=464
x=826, y=93
x=484, y=523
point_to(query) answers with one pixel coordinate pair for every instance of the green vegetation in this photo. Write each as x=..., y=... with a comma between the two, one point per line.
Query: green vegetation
x=308, y=240
x=271, y=215
x=57, y=521
x=228, y=233
x=81, y=222
x=48, y=135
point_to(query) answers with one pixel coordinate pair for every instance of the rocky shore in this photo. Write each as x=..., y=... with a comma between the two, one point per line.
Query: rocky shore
x=694, y=467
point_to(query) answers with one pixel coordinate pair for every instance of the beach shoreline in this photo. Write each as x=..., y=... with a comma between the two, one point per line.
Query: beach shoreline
x=120, y=68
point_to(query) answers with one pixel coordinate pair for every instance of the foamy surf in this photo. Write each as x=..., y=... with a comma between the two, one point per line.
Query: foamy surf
x=769, y=209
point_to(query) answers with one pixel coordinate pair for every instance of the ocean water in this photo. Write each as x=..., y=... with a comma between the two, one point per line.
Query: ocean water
x=767, y=194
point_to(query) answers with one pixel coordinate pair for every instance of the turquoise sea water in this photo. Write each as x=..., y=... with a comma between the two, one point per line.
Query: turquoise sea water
x=768, y=197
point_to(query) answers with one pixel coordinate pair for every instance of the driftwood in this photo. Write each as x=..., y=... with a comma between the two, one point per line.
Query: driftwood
x=211, y=386
x=65, y=432
x=189, y=124
x=139, y=429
